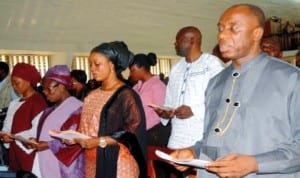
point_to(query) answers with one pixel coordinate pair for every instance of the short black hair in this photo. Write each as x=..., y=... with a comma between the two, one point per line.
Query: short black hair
x=4, y=66
x=79, y=75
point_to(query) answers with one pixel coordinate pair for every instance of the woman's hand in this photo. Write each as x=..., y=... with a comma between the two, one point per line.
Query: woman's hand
x=6, y=138
x=31, y=144
x=94, y=142
x=68, y=142
x=38, y=146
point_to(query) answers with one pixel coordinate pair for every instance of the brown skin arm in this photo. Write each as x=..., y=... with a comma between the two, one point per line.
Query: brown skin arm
x=94, y=142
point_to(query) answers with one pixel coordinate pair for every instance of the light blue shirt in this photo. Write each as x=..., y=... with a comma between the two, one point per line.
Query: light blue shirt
x=12, y=93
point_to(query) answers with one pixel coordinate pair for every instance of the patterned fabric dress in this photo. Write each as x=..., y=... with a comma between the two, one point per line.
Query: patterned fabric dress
x=90, y=119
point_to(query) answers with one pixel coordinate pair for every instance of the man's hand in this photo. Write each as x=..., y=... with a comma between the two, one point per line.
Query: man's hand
x=233, y=166
x=166, y=114
x=186, y=153
x=183, y=112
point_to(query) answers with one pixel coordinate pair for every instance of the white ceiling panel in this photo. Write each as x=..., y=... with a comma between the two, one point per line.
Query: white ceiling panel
x=79, y=25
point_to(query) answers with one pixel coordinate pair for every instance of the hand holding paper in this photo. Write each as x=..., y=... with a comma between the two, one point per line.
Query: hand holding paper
x=163, y=111
x=17, y=137
x=23, y=139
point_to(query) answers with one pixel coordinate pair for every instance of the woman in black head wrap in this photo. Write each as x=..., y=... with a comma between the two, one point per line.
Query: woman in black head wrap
x=79, y=89
x=113, y=115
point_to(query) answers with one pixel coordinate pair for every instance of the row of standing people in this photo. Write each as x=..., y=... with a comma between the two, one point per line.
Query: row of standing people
x=112, y=115
x=152, y=90
x=186, y=88
x=184, y=94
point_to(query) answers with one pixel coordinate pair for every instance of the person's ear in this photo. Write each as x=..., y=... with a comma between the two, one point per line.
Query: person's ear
x=112, y=67
x=258, y=33
x=192, y=40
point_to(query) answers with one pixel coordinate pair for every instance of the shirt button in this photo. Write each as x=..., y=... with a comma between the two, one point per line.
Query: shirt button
x=236, y=74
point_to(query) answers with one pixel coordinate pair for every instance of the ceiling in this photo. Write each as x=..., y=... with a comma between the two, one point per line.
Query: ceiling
x=145, y=25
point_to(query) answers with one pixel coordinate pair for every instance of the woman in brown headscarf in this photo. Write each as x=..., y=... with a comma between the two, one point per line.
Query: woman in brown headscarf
x=21, y=112
x=113, y=115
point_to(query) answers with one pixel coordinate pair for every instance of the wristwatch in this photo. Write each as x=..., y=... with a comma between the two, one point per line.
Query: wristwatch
x=102, y=142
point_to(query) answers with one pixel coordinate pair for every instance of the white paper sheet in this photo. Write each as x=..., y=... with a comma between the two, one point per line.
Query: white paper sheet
x=22, y=139
x=191, y=162
x=68, y=134
x=155, y=106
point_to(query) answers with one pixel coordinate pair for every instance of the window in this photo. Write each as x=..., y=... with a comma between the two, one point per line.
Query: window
x=163, y=66
x=82, y=62
x=41, y=62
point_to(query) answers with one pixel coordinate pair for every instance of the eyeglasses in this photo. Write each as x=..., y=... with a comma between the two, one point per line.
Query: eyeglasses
x=50, y=88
